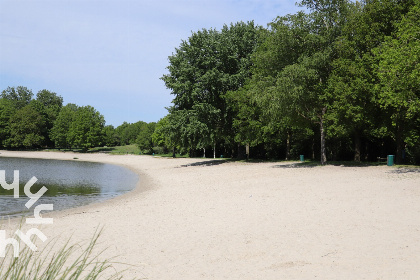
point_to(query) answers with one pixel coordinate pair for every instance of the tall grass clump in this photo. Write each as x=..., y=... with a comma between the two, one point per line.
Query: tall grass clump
x=70, y=262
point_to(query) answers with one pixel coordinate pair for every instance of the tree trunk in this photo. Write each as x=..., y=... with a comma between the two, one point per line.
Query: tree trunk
x=322, y=131
x=313, y=148
x=204, y=152
x=239, y=151
x=357, y=146
x=247, y=151
x=173, y=152
x=366, y=151
x=288, y=145
x=214, y=150
x=400, y=146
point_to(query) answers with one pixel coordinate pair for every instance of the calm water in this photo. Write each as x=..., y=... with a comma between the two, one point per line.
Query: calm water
x=69, y=183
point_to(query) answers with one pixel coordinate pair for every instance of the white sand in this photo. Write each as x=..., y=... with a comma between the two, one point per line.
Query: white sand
x=253, y=220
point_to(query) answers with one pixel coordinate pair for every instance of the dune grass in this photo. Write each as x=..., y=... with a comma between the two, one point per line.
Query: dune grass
x=71, y=262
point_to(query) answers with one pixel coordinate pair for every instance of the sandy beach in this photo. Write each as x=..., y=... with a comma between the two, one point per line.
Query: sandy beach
x=206, y=219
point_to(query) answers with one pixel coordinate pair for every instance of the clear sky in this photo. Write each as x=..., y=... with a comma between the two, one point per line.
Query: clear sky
x=110, y=54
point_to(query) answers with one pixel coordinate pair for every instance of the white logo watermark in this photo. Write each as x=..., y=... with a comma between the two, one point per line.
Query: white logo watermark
x=33, y=198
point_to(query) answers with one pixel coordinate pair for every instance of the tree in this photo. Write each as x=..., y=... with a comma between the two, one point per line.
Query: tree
x=162, y=135
x=50, y=106
x=86, y=130
x=171, y=128
x=247, y=122
x=205, y=67
x=144, y=139
x=128, y=132
x=7, y=110
x=21, y=96
x=25, y=128
x=158, y=136
x=294, y=64
x=110, y=136
x=61, y=127
x=355, y=111
x=399, y=73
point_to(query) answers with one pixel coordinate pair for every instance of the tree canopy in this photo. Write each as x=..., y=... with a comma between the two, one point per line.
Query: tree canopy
x=349, y=69
x=338, y=81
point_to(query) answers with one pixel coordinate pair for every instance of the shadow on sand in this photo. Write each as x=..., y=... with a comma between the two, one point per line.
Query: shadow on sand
x=405, y=170
x=297, y=165
x=312, y=164
x=205, y=163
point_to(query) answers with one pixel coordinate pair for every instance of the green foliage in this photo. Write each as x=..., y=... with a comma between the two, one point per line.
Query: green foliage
x=86, y=129
x=205, y=67
x=111, y=137
x=399, y=76
x=144, y=139
x=81, y=127
x=159, y=137
x=7, y=110
x=128, y=132
x=21, y=96
x=247, y=123
x=340, y=81
x=49, y=107
x=60, y=130
x=118, y=150
x=26, y=128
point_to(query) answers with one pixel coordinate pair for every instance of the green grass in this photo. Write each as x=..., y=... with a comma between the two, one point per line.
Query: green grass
x=117, y=150
x=122, y=150
x=64, y=264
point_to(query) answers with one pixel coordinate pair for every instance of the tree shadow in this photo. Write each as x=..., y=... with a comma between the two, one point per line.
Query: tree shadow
x=206, y=163
x=312, y=164
x=405, y=170
x=298, y=165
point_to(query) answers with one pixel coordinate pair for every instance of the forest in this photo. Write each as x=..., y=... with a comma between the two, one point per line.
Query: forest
x=340, y=81
x=43, y=122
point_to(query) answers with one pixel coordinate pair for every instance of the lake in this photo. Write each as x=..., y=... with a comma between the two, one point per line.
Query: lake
x=69, y=183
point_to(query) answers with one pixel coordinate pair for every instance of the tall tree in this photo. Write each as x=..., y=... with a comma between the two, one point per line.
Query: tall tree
x=60, y=130
x=25, y=128
x=86, y=130
x=399, y=73
x=206, y=66
x=355, y=111
x=21, y=96
x=128, y=132
x=111, y=137
x=144, y=139
x=296, y=81
x=48, y=104
x=7, y=110
x=247, y=122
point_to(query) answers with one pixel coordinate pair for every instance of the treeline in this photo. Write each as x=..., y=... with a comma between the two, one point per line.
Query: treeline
x=341, y=82
x=43, y=122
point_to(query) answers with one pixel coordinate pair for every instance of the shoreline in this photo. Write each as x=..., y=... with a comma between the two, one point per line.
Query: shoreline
x=187, y=219
x=143, y=184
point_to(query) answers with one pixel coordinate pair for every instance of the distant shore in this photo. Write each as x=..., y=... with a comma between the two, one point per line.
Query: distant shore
x=204, y=219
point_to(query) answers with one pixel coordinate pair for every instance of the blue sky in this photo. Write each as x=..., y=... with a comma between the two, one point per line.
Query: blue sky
x=110, y=54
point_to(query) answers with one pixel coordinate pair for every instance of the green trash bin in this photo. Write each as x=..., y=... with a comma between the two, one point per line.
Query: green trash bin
x=302, y=158
x=390, y=160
